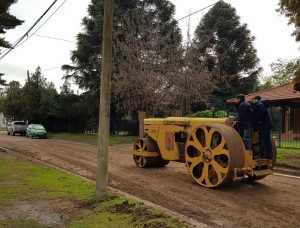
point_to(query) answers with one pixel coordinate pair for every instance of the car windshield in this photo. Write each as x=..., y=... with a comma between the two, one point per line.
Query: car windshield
x=38, y=127
x=19, y=123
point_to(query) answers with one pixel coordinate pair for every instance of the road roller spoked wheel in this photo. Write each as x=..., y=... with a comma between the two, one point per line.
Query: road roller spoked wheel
x=209, y=154
x=147, y=145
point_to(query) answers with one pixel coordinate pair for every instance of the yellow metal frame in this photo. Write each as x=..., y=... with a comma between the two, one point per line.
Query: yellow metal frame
x=156, y=128
x=146, y=154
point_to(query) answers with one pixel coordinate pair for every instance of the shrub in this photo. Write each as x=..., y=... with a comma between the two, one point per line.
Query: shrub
x=209, y=114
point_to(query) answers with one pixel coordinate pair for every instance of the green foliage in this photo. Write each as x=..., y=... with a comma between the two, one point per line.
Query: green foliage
x=7, y=21
x=226, y=47
x=86, y=67
x=38, y=98
x=128, y=14
x=290, y=8
x=66, y=88
x=283, y=72
x=38, y=102
x=11, y=103
x=210, y=114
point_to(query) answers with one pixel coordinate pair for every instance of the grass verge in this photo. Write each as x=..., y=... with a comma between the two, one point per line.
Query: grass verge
x=37, y=196
x=288, y=157
x=288, y=143
x=92, y=139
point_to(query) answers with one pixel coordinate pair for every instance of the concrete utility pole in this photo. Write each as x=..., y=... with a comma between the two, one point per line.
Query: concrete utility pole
x=104, y=109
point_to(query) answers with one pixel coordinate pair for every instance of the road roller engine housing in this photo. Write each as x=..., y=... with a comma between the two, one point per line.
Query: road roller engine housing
x=212, y=149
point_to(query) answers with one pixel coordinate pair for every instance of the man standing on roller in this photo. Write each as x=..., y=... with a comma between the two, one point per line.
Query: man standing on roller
x=244, y=117
x=263, y=123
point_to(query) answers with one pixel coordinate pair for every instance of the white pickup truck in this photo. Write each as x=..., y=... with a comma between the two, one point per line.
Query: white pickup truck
x=18, y=127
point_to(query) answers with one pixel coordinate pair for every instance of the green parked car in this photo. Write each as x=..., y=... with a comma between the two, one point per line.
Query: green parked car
x=36, y=130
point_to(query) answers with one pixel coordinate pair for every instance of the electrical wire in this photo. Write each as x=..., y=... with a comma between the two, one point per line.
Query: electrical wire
x=197, y=11
x=53, y=68
x=17, y=42
x=54, y=38
x=26, y=34
x=43, y=23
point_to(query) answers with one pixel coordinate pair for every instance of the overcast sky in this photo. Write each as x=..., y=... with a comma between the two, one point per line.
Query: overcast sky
x=273, y=35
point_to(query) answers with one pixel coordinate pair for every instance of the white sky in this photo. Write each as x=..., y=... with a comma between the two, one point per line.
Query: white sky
x=273, y=36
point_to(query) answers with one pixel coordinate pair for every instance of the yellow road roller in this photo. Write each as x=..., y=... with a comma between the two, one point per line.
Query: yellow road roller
x=211, y=148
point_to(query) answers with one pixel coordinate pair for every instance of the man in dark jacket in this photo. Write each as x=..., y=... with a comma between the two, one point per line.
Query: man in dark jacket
x=263, y=123
x=244, y=110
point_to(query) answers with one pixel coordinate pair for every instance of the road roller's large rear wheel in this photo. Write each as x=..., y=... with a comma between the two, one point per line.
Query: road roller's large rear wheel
x=147, y=145
x=212, y=152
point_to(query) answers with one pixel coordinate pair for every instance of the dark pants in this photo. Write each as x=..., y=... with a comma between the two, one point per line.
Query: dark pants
x=265, y=144
x=245, y=133
x=247, y=139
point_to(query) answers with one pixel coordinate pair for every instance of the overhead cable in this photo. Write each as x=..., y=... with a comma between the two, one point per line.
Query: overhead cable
x=30, y=35
x=197, y=11
x=54, y=38
x=18, y=41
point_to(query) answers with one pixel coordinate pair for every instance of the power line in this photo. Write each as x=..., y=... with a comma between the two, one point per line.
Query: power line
x=54, y=38
x=43, y=23
x=197, y=11
x=53, y=68
x=26, y=34
x=17, y=42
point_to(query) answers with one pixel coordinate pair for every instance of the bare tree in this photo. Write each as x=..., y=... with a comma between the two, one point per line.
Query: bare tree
x=157, y=77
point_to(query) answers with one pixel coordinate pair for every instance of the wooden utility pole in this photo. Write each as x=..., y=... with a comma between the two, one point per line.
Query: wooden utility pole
x=104, y=108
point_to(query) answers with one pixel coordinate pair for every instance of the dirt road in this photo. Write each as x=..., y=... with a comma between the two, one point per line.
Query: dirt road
x=271, y=202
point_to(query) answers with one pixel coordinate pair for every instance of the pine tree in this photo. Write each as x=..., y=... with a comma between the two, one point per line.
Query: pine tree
x=7, y=21
x=86, y=62
x=226, y=47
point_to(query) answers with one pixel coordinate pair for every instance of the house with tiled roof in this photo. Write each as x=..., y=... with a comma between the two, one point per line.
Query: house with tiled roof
x=287, y=100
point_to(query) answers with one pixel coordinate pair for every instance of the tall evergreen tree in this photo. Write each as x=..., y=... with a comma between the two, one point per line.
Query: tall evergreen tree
x=7, y=21
x=12, y=104
x=86, y=63
x=37, y=95
x=226, y=47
